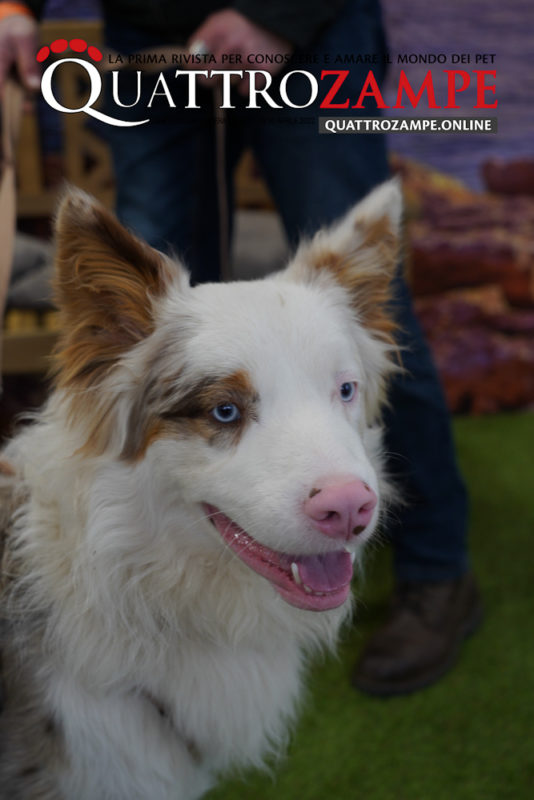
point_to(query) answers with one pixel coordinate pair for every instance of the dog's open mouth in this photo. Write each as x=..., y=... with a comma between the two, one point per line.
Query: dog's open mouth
x=313, y=582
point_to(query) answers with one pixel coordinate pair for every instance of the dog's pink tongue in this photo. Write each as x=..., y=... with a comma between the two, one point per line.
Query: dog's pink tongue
x=325, y=572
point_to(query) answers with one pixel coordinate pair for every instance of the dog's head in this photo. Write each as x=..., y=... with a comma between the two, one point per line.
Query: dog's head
x=255, y=405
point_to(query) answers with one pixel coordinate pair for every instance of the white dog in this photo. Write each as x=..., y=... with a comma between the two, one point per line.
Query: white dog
x=193, y=494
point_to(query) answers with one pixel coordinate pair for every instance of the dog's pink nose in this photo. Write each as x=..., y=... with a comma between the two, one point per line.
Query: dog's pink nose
x=341, y=508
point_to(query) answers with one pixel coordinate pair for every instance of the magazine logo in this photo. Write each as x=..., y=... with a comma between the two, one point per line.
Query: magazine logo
x=94, y=76
x=334, y=89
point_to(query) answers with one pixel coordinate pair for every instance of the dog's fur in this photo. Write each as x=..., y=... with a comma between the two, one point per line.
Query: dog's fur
x=141, y=655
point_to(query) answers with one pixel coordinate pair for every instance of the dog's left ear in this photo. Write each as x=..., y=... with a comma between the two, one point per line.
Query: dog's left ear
x=106, y=281
x=361, y=253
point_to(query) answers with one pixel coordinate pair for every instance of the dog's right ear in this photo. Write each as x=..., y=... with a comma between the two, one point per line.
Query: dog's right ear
x=106, y=282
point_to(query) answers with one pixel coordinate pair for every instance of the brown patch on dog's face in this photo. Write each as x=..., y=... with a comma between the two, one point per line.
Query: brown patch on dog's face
x=193, y=413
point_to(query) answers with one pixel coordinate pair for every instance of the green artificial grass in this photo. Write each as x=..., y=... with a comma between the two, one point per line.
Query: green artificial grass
x=469, y=737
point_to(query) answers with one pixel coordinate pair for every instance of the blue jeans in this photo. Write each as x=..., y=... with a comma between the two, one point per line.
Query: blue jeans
x=167, y=192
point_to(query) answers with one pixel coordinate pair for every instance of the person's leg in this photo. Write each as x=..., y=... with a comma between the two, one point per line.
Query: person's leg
x=166, y=171
x=430, y=532
x=158, y=193
x=314, y=179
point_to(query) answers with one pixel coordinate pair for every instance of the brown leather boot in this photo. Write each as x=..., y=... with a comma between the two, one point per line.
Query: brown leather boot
x=421, y=638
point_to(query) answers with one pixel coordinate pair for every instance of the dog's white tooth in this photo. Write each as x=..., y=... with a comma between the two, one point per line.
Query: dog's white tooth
x=353, y=557
x=306, y=588
x=295, y=571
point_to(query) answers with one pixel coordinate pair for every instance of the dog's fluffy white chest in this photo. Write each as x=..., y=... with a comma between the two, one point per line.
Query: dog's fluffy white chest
x=212, y=707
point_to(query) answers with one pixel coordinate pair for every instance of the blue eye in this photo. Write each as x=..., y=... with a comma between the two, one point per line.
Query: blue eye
x=347, y=391
x=226, y=412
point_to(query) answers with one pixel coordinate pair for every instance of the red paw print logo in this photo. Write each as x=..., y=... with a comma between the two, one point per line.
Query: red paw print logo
x=76, y=45
x=93, y=75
